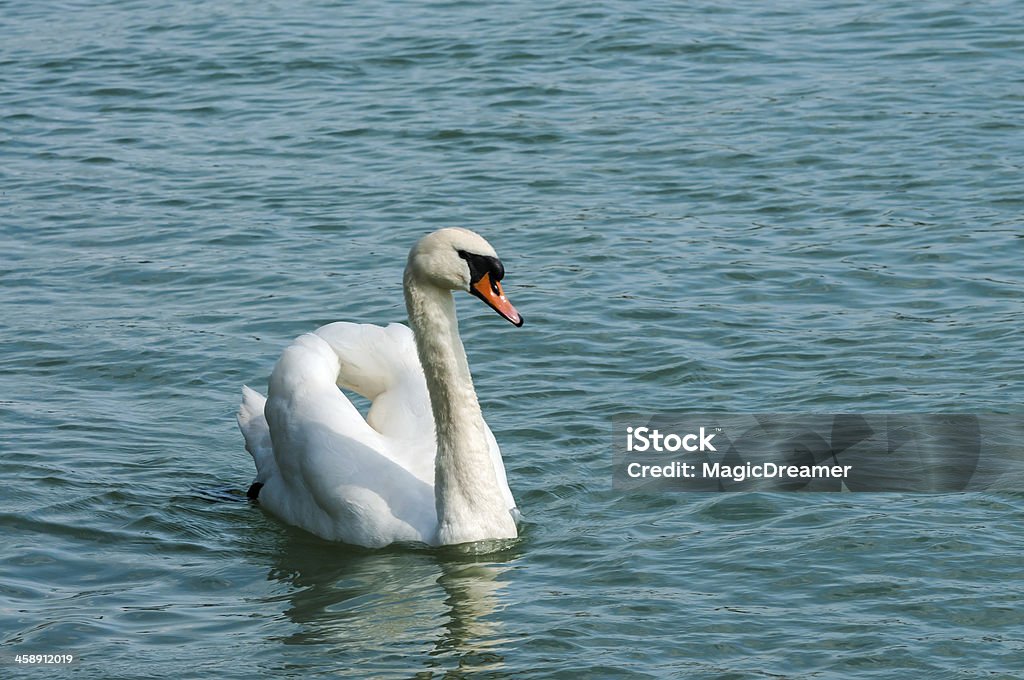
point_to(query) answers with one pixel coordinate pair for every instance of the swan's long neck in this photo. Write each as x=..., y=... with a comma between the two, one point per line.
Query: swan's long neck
x=469, y=501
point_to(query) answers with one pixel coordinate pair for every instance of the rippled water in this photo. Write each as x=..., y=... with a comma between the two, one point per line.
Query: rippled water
x=806, y=206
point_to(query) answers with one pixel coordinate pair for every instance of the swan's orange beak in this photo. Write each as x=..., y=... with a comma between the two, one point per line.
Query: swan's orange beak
x=490, y=292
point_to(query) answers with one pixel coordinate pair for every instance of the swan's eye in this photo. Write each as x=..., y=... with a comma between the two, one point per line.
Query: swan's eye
x=485, y=271
x=483, y=264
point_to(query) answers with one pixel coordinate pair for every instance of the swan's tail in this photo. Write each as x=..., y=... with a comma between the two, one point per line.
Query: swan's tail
x=253, y=424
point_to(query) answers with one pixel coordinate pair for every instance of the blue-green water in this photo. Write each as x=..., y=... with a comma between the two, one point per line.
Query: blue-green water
x=740, y=206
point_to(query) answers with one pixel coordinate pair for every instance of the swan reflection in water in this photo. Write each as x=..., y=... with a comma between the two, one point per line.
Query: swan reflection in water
x=395, y=610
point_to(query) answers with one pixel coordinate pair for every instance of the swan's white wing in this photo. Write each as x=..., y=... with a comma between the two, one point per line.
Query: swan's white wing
x=337, y=477
x=381, y=364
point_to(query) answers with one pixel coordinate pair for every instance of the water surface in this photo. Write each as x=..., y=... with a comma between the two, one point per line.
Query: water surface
x=717, y=206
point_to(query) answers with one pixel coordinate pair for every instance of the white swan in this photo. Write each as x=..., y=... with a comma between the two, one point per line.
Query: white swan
x=387, y=478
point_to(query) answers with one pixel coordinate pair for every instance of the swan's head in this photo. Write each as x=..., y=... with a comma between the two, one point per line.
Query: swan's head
x=459, y=259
